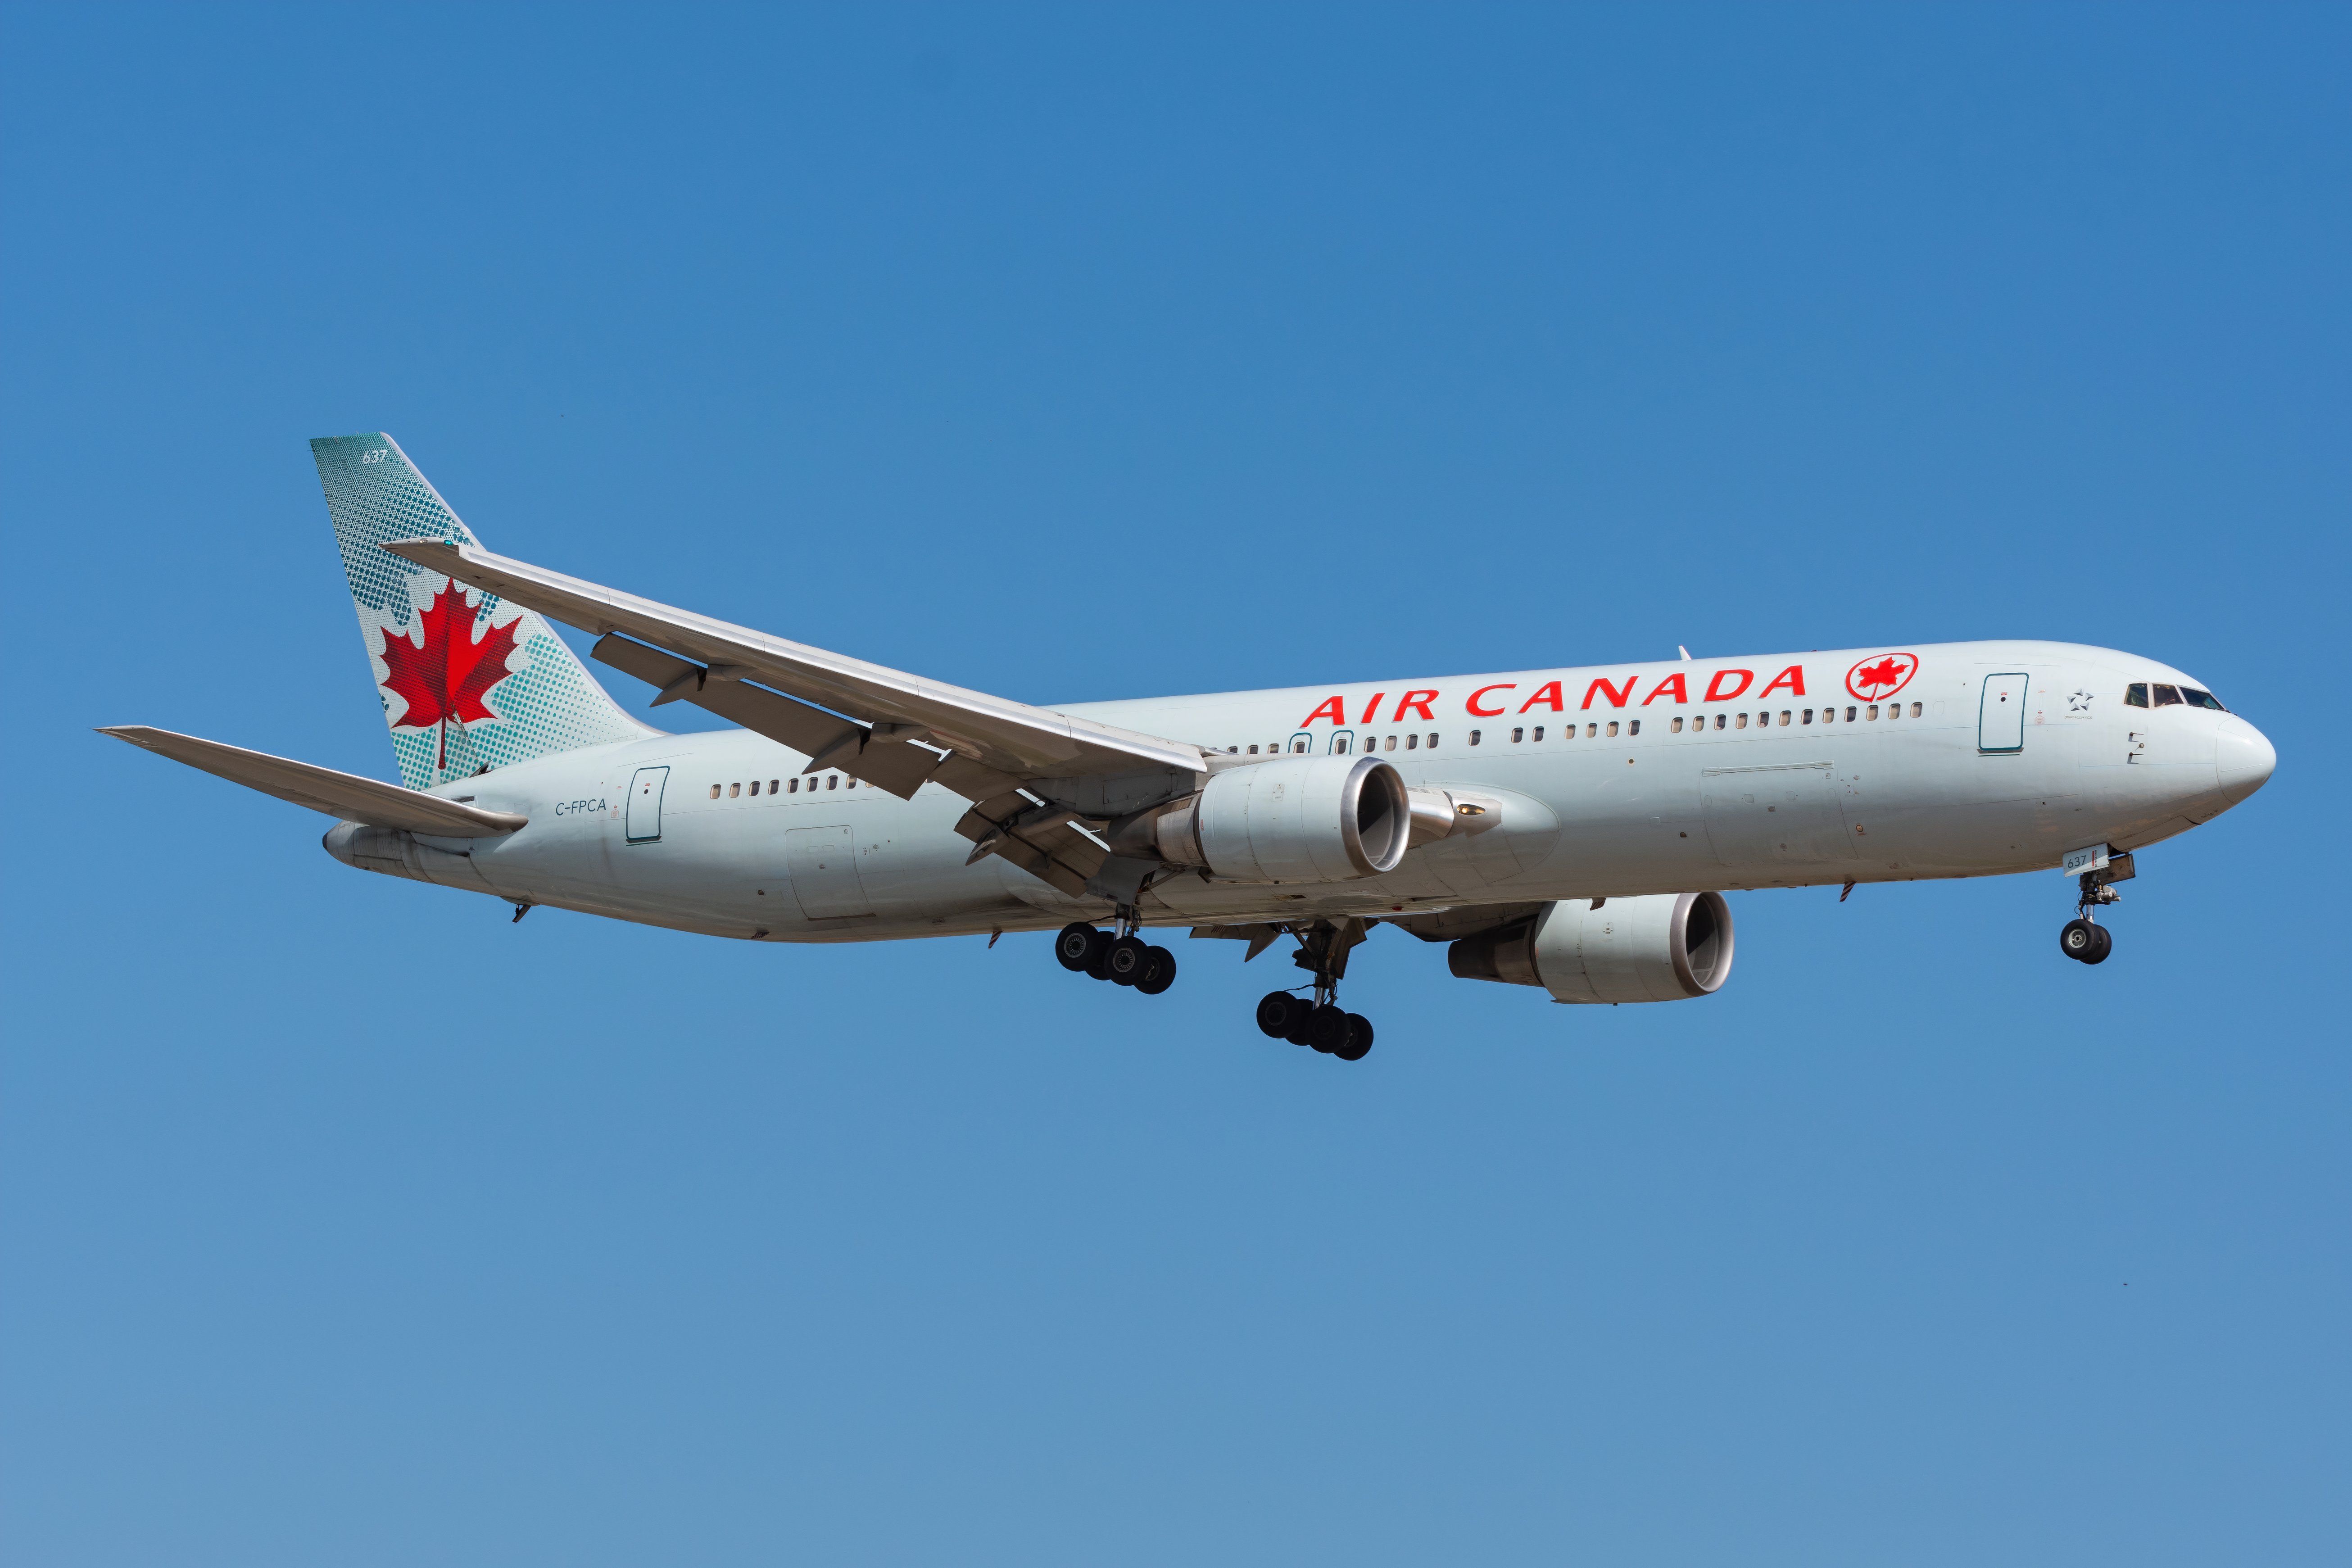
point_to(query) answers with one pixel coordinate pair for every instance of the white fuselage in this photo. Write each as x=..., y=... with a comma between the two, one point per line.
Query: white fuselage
x=1795, y=785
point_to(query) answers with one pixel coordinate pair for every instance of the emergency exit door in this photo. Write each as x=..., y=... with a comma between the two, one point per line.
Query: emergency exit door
x=643, y=813
x=2001, y=715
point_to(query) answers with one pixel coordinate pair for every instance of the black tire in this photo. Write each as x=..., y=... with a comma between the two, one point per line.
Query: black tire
x=2078, y=939
x=1359, y=1039
x=1274, y=1013
x=1159, y=972
x=1098, y=965
x=1127, y=960
x=2100, y=949
x=1328, y=1030
x=1074, y=946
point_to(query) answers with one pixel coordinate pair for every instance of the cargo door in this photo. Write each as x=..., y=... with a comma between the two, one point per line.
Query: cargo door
x=1763, y=818
x=822, y=862
x=643, y=815
x=2001, y=715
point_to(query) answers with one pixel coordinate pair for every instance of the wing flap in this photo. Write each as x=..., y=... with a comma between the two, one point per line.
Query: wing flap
x=339, y=794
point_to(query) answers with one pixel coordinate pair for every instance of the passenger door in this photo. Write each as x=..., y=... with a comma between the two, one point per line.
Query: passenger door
x=643, y=813
x=2001, y=714
x=822, y=862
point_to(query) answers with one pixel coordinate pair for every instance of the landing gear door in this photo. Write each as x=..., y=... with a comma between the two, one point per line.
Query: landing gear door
x=2001, y=715
x=643, y=815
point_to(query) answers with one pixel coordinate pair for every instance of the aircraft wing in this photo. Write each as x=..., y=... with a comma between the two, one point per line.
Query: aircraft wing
x=1040, y=783
x=345, y=796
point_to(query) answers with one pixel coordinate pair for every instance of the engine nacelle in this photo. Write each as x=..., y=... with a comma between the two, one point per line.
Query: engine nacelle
x=1300, y=819
x=1661, y=947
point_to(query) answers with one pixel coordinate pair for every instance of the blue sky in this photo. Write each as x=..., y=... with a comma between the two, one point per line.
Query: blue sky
x=1078, y=353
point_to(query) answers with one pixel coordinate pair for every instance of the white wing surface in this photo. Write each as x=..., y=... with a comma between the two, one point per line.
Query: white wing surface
x=1042, y=783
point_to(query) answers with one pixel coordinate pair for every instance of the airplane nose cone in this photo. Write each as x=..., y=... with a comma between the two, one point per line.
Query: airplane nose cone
x=2243, y=759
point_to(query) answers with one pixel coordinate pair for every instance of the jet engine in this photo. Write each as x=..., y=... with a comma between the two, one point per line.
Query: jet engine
x=1659, y=948
x=1299, y=819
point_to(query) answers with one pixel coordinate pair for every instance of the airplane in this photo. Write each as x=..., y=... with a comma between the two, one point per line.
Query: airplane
x=1569, y=829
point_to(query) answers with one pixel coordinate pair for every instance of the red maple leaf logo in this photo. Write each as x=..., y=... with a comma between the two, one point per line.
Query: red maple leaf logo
x=445, y=678
x=1870, y=681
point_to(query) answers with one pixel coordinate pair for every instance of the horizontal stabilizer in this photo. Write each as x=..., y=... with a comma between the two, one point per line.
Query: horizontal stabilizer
x=345, y=795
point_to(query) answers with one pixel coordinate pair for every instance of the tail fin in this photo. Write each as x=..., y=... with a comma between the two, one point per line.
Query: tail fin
x=464, y=690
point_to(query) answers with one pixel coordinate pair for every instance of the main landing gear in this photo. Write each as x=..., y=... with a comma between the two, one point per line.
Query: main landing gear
x=2083, y=939
x=1121, y=957
x=1319, y=1022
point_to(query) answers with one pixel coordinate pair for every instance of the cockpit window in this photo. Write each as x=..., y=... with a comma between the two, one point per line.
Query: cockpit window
x=2167, y=695
x=2202, y=699
x=2136, y=694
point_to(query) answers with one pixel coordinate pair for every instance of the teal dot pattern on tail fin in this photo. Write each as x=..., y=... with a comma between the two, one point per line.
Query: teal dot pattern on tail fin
x=545, y=702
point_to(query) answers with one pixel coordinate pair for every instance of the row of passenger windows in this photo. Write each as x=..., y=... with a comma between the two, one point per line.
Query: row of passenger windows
x=1860, y=713
x=2135, y=696
x=1855, y=713
x=781, y=787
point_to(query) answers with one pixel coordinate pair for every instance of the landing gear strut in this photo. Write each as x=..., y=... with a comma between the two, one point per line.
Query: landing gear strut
x=1119, y=955
x=1320, y=1022
x=2083, y=939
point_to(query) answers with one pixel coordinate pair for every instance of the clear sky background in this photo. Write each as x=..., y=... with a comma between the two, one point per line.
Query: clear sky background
x=1072, y=354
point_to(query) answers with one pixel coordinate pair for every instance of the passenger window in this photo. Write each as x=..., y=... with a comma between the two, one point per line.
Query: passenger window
x=1740, y=722
x=2166, y=696
x=1431, y=742
x=1870, y=712
x=733, y=790
x=1849, y=714
x=1340, y=745
x=1917, y=709
x=1591, y=730
x=1536, y=733
x=795, y=784
x=833, y=780
x=853, y=784
x=1784, y=718
x=1413, y=741
x=714, y=792
x=1633, y=728
x=1675, y=727
x=1389, y=744
x=755, y=787
x=1809, y=716
x=2136, y=694
x=771, y=786
x=1518, y=735
x=1612, y=727
x=1253, y=751
x=2202, y=699
x=1476, y=735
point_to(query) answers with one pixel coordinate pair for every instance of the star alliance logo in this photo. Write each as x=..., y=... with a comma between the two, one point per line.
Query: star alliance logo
x=2078, y=702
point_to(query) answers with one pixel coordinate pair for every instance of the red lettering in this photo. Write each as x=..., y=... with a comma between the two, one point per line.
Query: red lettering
x=1372, y=708
x=1413, y=700
x=1547, y=694
x=1479, y=712
x=1713, y=688
x=1616, y=698
x=1672, y=683
x=1333, y=709
x=1793, y=678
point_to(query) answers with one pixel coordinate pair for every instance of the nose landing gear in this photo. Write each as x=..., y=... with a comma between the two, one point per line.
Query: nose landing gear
x=2083, y=939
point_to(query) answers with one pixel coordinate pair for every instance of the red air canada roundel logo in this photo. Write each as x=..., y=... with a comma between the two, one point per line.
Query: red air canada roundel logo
x=1882, y=675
